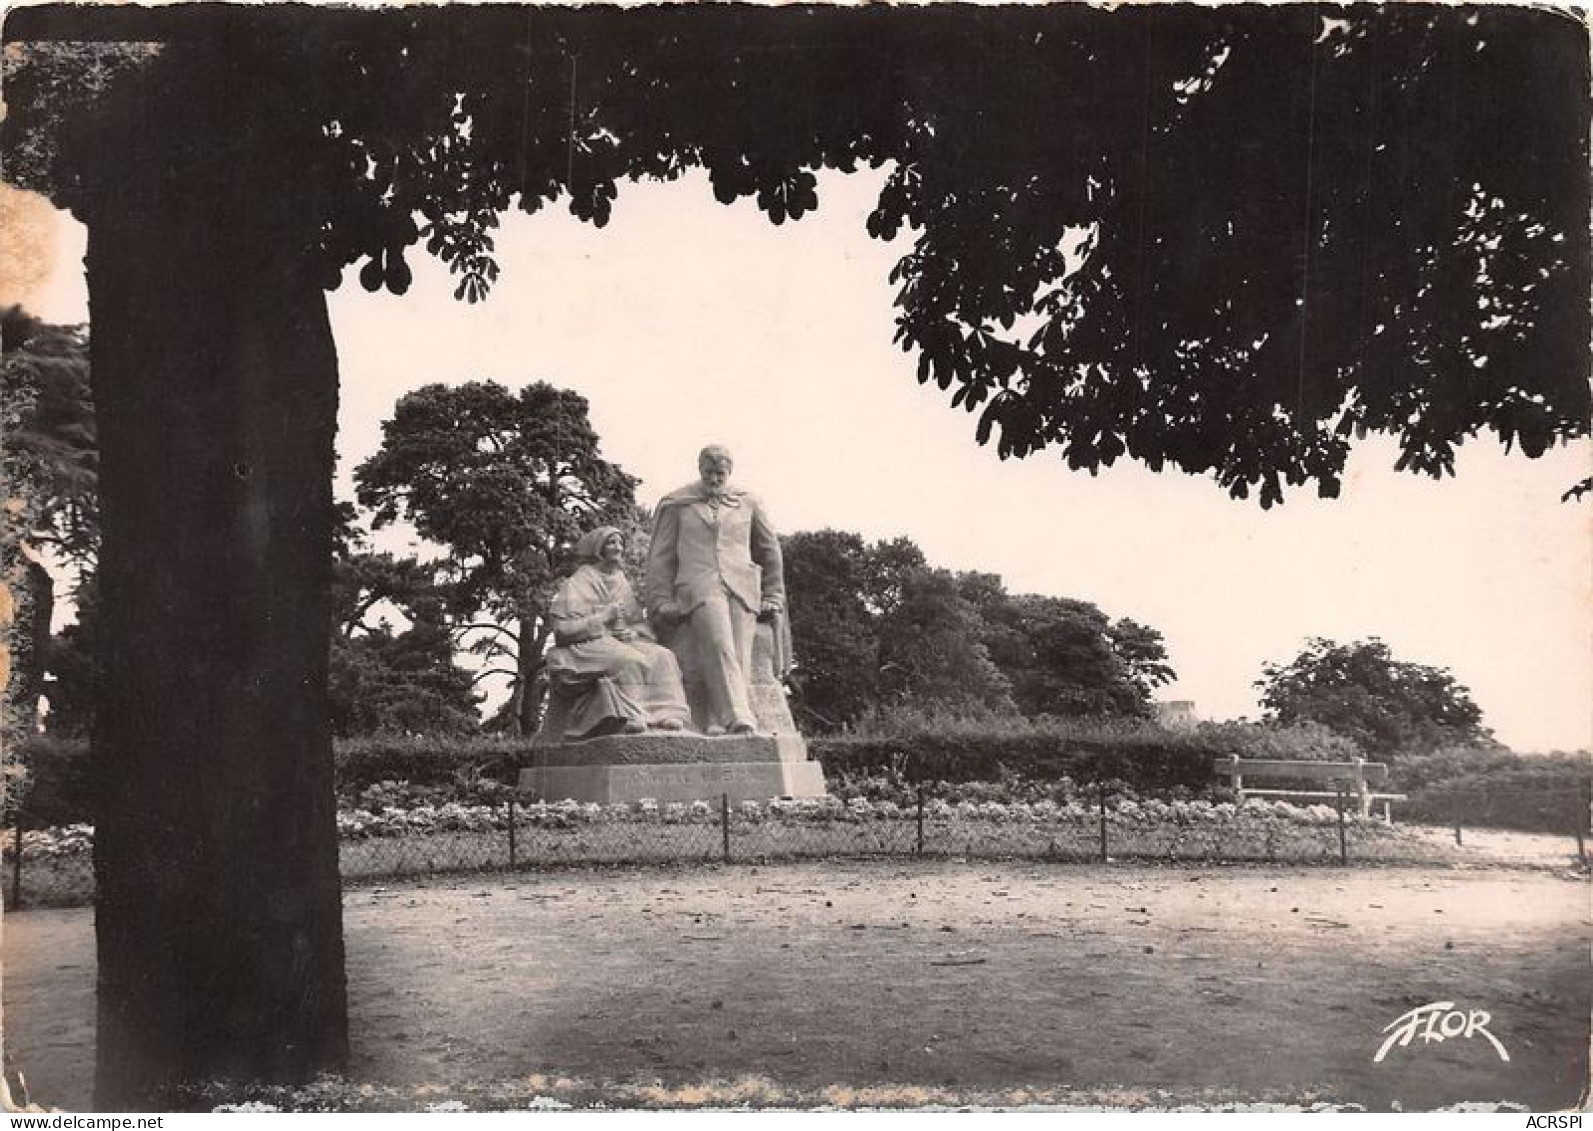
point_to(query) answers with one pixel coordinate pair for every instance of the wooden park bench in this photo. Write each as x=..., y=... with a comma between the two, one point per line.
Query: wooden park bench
x=1355, y=778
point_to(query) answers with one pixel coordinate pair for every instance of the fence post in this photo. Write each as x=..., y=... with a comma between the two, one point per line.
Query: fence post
x=1459, y=812
x=16, y=865
x=1101, y=796
x=512, y=855
x=1344, y=844
x=921, y=818
x=724, y=823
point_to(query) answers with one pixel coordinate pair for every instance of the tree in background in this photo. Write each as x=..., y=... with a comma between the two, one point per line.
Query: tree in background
x=1143, y=653
x=50, y=484
x=387, y=680
x=842, y=590
x=878, y=629
x=507, y=482
x=1390, y=707
x=931, y=651
x=837, y=646
x=886, y=568
x=50, y=450
x=1069, y=665
x=1064, y=656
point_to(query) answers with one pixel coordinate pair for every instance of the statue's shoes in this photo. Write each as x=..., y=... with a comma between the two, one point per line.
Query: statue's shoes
x=668, y=724
x=715, y=731
x=743, y=728
x=634, y=726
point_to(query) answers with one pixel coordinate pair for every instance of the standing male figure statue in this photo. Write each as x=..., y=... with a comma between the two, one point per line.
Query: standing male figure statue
x=713, y=571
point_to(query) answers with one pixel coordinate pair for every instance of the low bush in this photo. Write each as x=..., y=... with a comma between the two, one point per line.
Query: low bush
x=1293, y=742
x=56, y=785
x=1418, y=771
x=1549, y=794
x=1145, y=756
x=1001, y=760
x=458, y=762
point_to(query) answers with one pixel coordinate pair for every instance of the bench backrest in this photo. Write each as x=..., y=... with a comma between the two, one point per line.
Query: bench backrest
x=1375, y=773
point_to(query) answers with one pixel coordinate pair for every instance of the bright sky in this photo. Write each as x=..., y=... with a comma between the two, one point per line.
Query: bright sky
x=685, y=322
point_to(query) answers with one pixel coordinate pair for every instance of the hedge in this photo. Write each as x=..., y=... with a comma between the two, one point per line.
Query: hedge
x=1503, y=790
x=362, y=762
x=58, y=788
x=1148, y=759
x=1548, y=798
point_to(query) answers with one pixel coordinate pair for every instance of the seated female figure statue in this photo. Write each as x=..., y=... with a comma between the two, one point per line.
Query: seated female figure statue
x=615, y=676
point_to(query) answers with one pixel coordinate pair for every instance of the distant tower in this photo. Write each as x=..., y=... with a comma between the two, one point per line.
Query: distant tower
x=1176, y=714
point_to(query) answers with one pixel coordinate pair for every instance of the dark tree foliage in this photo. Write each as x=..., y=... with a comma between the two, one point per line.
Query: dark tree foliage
x=1063, y=656
x=931, y=652
x=837, y=670
x=73, y=667
x=387, y=680
x=1390, y=707
x=845, y=597
x=507, y=482
x=50, y=457
x=1298, y=224
x=1293, y=224
x=886, y=568
x=879, y=630
x=48, y=479
x=1143, y=654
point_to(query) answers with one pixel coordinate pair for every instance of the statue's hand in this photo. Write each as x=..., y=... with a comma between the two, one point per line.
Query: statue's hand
x=669, y=612
x=770, y=610
x=624, y=634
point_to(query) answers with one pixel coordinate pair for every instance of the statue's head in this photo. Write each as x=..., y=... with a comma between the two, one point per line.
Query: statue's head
x=605, y=544
x=714, y=465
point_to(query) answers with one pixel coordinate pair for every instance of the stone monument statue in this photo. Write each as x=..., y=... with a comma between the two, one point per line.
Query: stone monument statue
x=714, y=575
x=628, y=719
x=608, y=673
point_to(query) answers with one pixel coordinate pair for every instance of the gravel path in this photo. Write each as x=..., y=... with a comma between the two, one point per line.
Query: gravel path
x=819, y=980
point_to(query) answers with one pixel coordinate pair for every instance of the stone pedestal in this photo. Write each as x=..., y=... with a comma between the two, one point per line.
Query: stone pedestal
x=680, y=766
x=674, y=767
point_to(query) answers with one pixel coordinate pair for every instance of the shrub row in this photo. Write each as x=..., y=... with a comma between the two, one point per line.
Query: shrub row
x=1027, y=762
x=1148, y=759
x=454, y=761
x=59, y=787
x=1547, y=799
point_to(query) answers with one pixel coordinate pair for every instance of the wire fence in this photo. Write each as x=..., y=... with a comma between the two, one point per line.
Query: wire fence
x=53, y=867
x=1532, y=809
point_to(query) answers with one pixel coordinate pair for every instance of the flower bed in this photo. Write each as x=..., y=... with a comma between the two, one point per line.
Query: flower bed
x=452, y=817
x=399, y=828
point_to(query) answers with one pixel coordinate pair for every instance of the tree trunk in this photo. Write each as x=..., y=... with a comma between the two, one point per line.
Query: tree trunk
x=218, y=918
x=531, y=686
